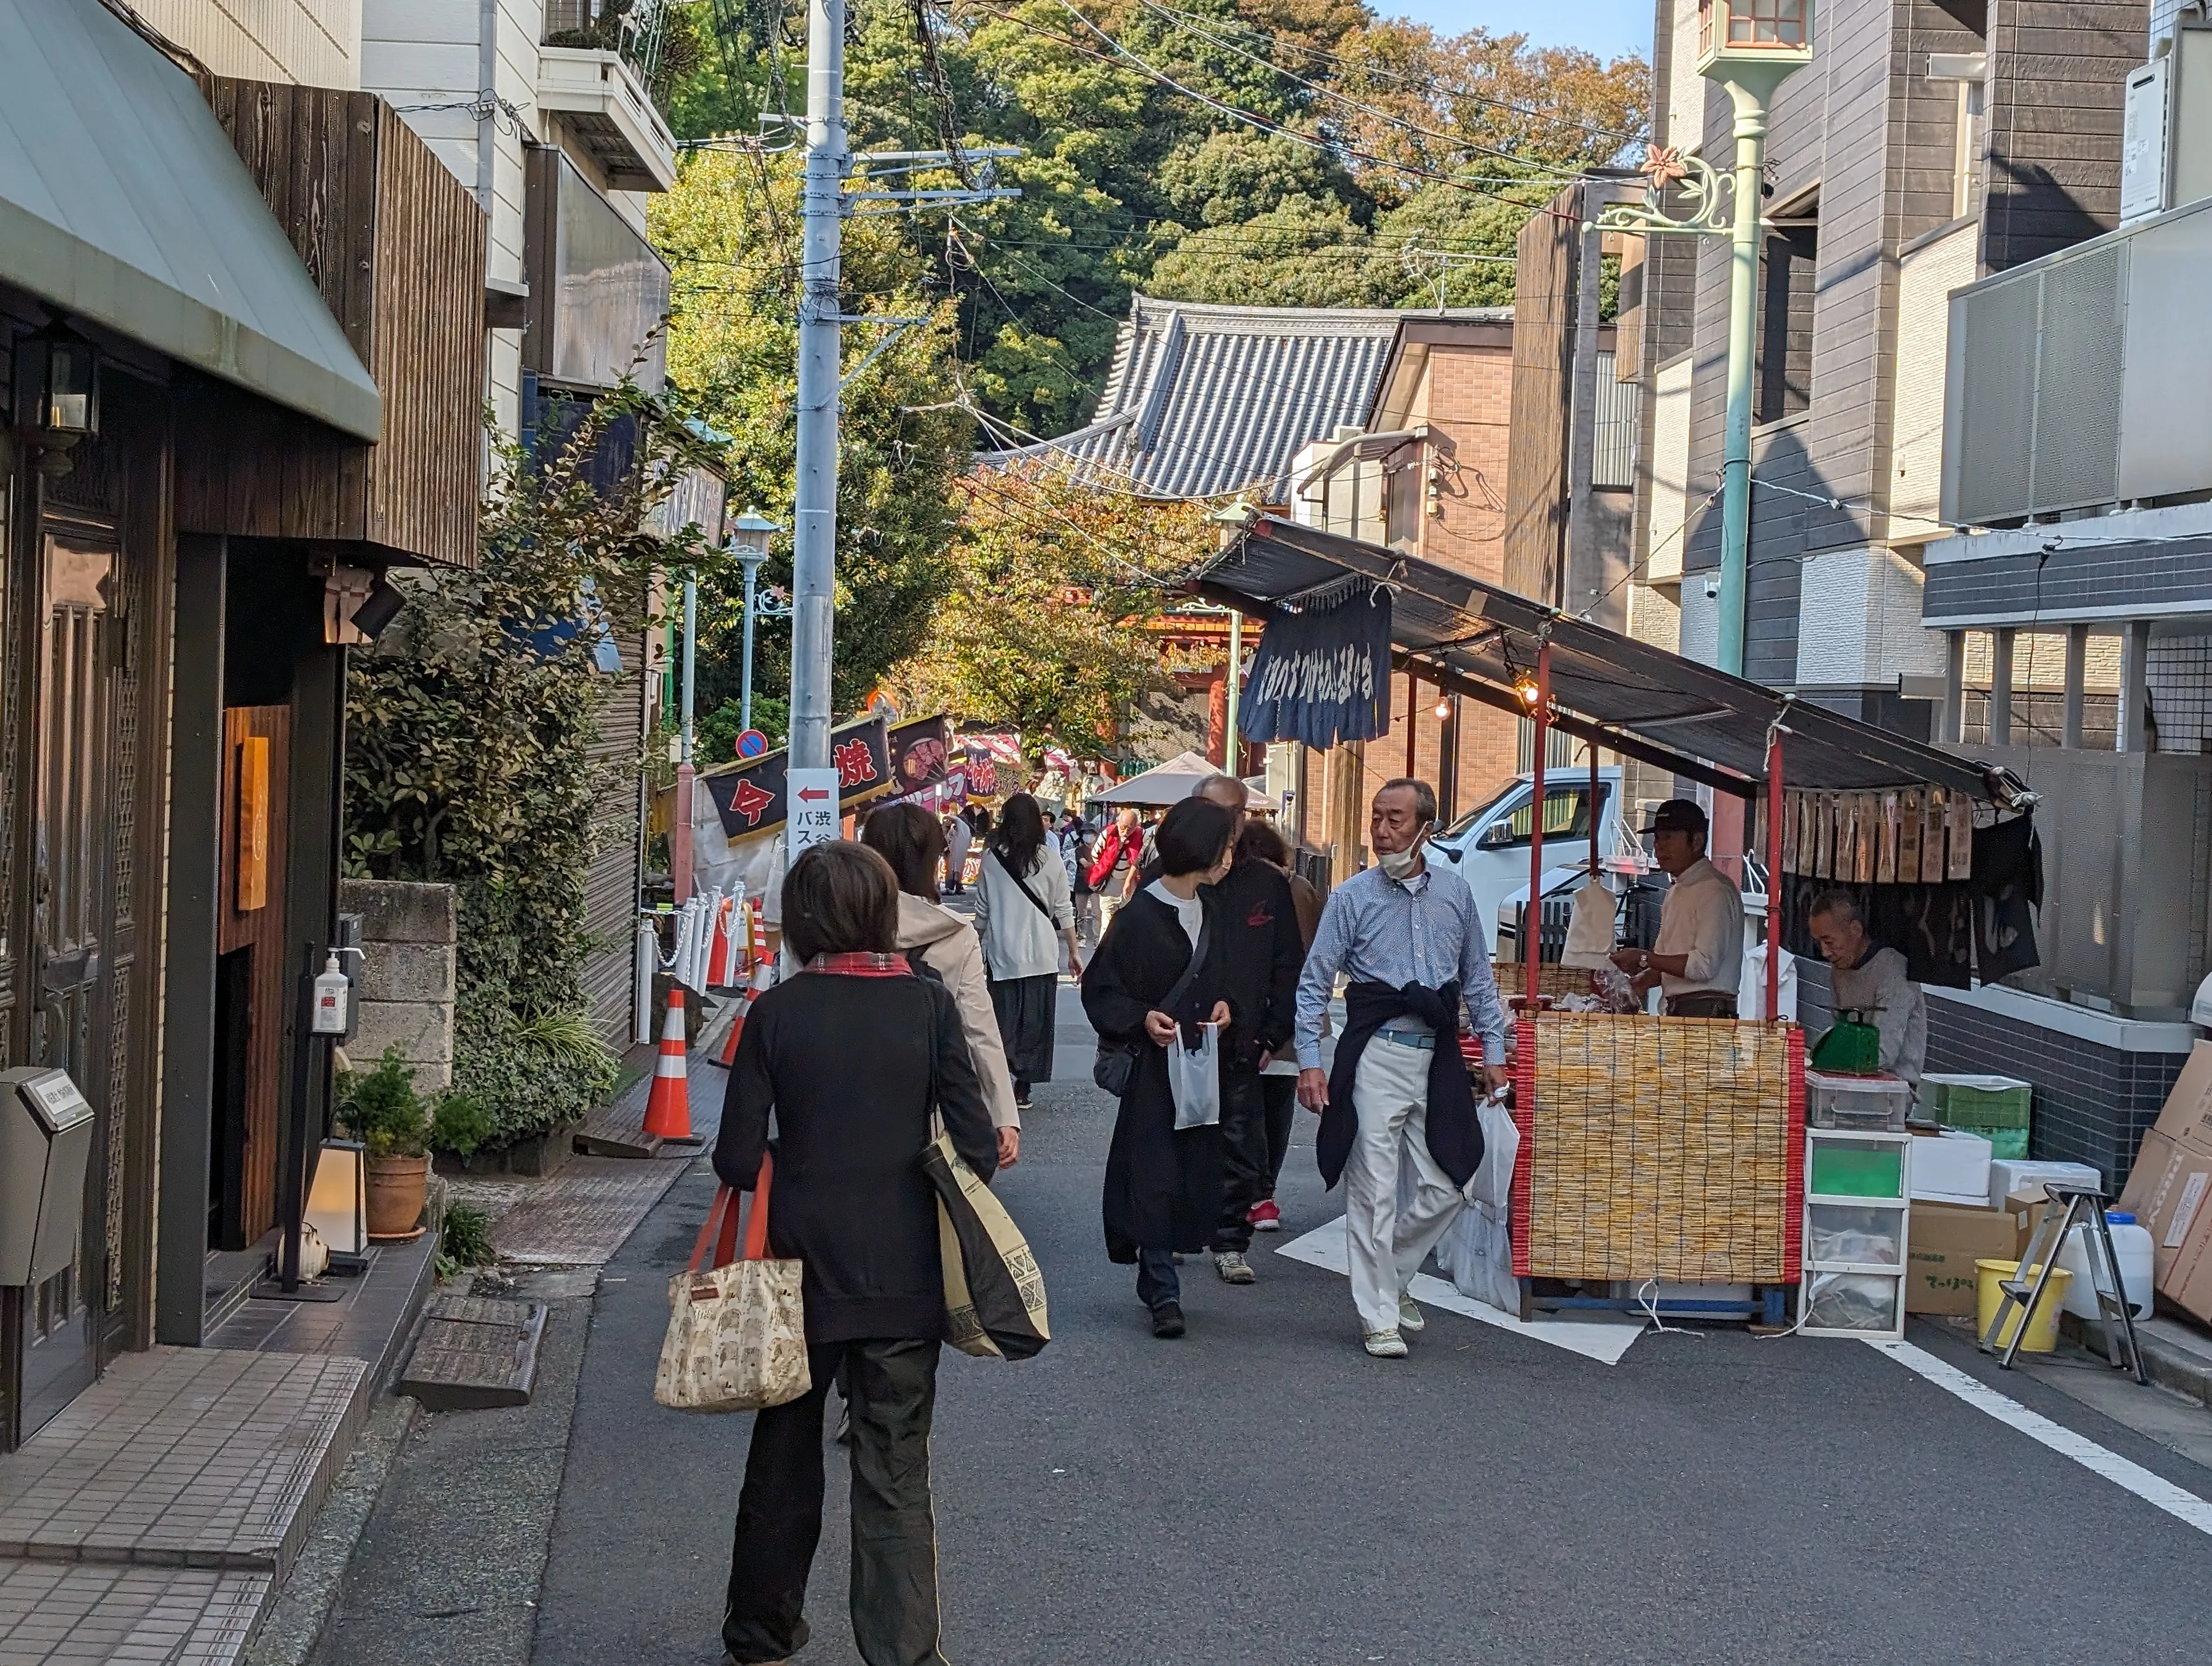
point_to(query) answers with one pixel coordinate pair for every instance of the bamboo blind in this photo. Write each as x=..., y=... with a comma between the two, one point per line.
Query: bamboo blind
x=1659, y=1148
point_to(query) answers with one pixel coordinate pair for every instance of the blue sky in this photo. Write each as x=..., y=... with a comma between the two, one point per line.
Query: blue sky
x=1607, y=28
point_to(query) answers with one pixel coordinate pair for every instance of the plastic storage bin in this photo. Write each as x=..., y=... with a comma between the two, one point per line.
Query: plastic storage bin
x=1844, y=1167
x=1853, y=1302
x=1859, y=1235
x=1976, y=1102
x=1952, y=1166
x=2006, y=1144
x=1873, y=1105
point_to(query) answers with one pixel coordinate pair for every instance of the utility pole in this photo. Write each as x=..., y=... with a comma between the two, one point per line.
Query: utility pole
x=679, y=835
x=814, y=518
x=1750, y=47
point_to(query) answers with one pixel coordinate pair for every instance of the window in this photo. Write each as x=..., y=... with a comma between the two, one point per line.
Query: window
x=1782, y=381
x=1965, y=71
x=1766, y=22
x=1566, y=816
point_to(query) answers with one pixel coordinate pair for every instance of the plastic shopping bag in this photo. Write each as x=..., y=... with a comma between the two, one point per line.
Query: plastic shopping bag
x=1477, y=1251
x=1195, y=1079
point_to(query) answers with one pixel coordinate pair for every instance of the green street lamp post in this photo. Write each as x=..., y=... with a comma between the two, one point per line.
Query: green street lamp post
x=1750, y=47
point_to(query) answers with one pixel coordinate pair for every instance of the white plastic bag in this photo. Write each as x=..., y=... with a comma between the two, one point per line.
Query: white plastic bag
x=1195, y=1079
x=1477, y=1249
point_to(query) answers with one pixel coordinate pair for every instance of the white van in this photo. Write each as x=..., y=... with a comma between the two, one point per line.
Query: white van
x=1488, y=846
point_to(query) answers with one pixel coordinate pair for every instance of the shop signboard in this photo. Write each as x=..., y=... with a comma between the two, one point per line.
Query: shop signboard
x=753, y=798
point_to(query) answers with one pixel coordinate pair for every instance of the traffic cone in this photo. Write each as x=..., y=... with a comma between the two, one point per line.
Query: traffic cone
x=668, y=1107
x=736, y=1027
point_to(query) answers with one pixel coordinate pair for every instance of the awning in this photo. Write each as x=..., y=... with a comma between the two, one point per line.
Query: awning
x=122, y=202
x=1629, y=696
x=1175, y=780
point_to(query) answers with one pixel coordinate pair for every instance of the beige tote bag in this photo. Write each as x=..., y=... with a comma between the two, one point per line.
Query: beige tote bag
x=737, y=1329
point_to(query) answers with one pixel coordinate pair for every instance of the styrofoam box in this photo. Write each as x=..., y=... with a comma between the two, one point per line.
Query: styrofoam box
x=2008, y=1174
x=1946, y=1167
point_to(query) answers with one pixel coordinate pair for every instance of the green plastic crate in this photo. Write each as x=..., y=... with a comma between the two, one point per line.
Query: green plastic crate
x=1979, y=1102
x=2008, y=1144
x=1841, y=1171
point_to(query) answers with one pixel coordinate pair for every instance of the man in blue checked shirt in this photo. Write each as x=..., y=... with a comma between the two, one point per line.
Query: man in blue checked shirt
x=1409, y=940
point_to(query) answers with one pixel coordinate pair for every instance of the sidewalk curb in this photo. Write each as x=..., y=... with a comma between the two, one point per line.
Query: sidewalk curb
x=300, y=1610
x=2170, y=1367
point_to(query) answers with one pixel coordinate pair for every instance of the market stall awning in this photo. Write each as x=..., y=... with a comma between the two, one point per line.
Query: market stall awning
x=122, y=203
x=1481, y=641
x=1172, y=782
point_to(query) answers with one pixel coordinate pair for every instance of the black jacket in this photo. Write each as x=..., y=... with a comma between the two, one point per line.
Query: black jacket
x=1262, y=954
x=1455, y=1131
x=847, y=1064
x=1163, y=1187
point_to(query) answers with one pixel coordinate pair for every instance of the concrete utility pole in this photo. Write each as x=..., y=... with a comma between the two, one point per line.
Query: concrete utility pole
x=1750, y=47
x=814, y=518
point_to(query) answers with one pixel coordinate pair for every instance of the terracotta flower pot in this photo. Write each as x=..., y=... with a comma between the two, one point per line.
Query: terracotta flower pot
x=396, y=1186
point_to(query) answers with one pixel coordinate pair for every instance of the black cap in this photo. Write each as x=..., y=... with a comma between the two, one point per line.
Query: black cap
x=1679, y=816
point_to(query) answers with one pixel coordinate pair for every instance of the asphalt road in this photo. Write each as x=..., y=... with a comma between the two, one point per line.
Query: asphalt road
x=1261, y=1491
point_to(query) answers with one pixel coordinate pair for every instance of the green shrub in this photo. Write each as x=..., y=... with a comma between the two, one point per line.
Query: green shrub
x=460, y=1124
x=382, y=1110
x=467, y=1239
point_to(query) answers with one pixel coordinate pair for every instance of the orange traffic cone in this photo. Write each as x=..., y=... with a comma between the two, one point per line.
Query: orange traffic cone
x=737, y=1028
x=668, y=1107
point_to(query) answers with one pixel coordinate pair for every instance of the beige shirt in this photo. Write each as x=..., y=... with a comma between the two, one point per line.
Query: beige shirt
x=1703, y=919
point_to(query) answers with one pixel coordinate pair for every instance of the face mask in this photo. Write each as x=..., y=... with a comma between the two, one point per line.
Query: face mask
x=1399, y=864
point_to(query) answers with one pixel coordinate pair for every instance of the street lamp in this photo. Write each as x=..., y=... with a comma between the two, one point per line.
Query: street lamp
x=748, y=536
x=1749, y=46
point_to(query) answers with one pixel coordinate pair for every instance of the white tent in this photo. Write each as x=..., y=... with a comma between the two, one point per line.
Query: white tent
x=1176, y=780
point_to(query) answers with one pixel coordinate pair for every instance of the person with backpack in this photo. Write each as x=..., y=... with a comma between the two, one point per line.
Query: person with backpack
x=1024, y=910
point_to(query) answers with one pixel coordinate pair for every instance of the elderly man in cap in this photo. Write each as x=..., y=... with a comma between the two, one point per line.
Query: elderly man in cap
x=1867, y=978
x=1697, y=962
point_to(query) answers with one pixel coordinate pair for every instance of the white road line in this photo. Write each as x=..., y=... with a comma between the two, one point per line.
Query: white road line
x=2150, y=1488
x=1602, y=1338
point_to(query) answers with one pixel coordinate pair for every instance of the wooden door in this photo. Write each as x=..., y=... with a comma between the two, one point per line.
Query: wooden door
x=72, y=788
x=250, y=946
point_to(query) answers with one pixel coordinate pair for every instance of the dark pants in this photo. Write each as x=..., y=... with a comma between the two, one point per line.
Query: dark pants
x=1279, y=1097
x=893, y=1389
x=1158, y=1281
x=1701, y=1004
x=1244, y=1158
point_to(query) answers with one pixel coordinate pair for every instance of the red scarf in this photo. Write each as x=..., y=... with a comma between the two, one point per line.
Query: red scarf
x=860, y=963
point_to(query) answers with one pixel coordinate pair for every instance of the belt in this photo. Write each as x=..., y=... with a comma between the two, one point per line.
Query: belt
x=1408, y=1038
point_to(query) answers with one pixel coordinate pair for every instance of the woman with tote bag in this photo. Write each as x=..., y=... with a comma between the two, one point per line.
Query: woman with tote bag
x=1024, y=910
x=851, y=1055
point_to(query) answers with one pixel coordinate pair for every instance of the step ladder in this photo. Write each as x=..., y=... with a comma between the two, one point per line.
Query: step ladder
x=2063, y=1208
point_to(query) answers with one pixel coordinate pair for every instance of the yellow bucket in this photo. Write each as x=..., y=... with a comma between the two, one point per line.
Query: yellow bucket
x=2042, y=1323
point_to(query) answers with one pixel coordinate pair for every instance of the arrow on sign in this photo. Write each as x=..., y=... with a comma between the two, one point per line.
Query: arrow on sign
x=808, y=794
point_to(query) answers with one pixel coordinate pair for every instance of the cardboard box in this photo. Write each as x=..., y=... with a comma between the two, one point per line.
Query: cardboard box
x=2187, y=1281
x=2170, y=1194
x=2023, y=1208
x=1945, y=1242
x=2186, y=1119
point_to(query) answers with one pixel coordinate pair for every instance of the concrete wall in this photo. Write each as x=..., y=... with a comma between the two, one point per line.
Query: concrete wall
x=407, y=976
x=316, y=43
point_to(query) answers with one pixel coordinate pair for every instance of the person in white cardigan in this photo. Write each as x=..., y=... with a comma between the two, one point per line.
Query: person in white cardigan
x=910, y=839
x=1025, y=911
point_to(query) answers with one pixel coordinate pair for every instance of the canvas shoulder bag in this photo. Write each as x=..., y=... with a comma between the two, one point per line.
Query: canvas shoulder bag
x=737, y=1328
x=1115, y=1066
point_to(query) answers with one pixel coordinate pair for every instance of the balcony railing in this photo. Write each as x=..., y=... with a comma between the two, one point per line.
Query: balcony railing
x=634, y=29
x=2072, y=378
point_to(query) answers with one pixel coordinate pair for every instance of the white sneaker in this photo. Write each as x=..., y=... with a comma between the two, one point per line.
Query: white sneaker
x=1409, y=1316
x=1234, y=1269
x=1386, y=1345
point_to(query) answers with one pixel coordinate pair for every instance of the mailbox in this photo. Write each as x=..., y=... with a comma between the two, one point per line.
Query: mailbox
x=45, y=1141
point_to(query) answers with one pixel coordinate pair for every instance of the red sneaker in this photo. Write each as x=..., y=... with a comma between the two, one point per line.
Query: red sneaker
x=1264, y=1216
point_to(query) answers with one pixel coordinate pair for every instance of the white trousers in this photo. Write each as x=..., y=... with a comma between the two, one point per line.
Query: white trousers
x=1386, y=1245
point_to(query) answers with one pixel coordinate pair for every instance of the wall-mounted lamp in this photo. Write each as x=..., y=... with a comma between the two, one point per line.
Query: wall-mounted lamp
x=379, y=609
x=57, y=392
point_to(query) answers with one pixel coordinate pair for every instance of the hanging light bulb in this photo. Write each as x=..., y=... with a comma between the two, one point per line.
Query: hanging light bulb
x=1443, y=709
x=1525, y=686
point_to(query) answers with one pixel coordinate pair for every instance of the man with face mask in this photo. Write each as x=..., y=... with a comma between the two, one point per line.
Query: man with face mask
x=1409, y=938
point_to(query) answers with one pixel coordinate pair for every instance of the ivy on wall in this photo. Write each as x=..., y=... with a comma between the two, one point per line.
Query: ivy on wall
x=469, y=728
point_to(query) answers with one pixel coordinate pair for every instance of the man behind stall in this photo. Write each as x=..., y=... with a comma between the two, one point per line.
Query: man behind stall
x=1697, y=961
x=1869, y=979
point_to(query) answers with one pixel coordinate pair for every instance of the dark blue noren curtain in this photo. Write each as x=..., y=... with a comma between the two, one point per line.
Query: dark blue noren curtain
x=1321, y=676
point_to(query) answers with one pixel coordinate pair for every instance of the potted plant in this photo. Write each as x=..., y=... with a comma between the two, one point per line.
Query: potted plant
x=383, y=1111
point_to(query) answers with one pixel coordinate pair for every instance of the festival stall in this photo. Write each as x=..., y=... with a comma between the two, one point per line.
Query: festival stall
x=1659, y=1152
x=1175, y=780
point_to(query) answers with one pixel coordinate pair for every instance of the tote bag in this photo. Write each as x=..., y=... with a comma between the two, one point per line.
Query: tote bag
x=994, y=1305
x=737, y=1328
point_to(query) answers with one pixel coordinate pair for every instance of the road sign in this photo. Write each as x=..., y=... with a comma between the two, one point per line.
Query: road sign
x=752, y=743
x=813, y=816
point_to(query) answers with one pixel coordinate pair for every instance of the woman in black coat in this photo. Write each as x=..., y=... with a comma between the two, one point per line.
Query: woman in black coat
x=1163, y=1186
x=851, y=1055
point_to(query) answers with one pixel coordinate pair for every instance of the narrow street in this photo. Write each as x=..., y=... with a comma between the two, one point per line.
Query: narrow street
x=1261, y=1491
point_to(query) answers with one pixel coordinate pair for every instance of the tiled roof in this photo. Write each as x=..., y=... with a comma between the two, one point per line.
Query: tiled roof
x=1207, y=401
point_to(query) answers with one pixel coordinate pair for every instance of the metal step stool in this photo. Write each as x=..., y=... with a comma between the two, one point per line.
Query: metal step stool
x=2064, y=1207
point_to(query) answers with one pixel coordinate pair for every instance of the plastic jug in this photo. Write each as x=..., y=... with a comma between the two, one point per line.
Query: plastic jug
x=2132, y=1248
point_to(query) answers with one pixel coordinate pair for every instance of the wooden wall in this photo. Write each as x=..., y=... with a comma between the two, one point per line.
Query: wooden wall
x=261, y=931
x=396, y=246
x=1545, y=261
